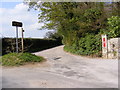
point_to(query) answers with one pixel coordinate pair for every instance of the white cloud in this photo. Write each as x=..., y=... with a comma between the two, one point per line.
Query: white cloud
x=20, y=13
x=35, y=26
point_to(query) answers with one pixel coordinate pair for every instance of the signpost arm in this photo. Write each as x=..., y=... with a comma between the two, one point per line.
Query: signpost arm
x=16, y=39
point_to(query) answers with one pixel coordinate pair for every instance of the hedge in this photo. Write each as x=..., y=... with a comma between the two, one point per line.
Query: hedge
x=30, y=45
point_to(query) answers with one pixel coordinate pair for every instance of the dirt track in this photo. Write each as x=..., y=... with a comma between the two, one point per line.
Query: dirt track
x=63, y=70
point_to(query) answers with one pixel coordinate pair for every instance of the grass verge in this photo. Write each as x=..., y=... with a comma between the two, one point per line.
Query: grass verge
x=16, y=59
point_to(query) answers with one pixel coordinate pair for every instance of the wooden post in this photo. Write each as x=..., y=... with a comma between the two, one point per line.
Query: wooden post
x=22, y=41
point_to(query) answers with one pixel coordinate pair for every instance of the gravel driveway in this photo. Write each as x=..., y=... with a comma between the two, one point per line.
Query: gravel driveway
x=63, y=70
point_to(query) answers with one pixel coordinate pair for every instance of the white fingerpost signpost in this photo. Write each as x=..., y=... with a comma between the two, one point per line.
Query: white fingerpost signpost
x=16, y=24
x=104, y=46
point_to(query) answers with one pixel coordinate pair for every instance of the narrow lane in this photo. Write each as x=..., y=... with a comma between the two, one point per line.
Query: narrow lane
x=63, y=70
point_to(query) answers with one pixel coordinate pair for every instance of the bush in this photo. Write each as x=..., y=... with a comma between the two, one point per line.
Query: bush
x=114, y=27
x=16, y=59
x=88, y=45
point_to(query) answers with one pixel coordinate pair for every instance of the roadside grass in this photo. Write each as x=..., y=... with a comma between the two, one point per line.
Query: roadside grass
x=17, y=59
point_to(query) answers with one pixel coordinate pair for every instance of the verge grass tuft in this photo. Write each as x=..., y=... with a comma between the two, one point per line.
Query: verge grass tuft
x=16, y=59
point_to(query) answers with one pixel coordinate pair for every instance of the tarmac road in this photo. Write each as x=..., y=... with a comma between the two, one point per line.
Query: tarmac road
x=63, y=70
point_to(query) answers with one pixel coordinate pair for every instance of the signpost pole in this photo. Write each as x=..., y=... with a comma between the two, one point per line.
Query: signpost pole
x=17, y=24
x=16, y=39
x=22, y=41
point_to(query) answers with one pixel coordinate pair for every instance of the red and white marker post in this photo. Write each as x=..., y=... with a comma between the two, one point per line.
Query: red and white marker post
x=104, y=46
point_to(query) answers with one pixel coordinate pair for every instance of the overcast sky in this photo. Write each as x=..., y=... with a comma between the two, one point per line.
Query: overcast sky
x=17, y=11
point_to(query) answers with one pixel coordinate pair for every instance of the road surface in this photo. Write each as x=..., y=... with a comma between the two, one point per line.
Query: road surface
x=63, y=70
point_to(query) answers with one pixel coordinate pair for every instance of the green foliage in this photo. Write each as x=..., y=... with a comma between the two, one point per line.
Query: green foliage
x=88, y=45
x=16, y=59
x=28, y=57
x=114, y=27
x=73, y=20
x=66, y=16
x=11, y=60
